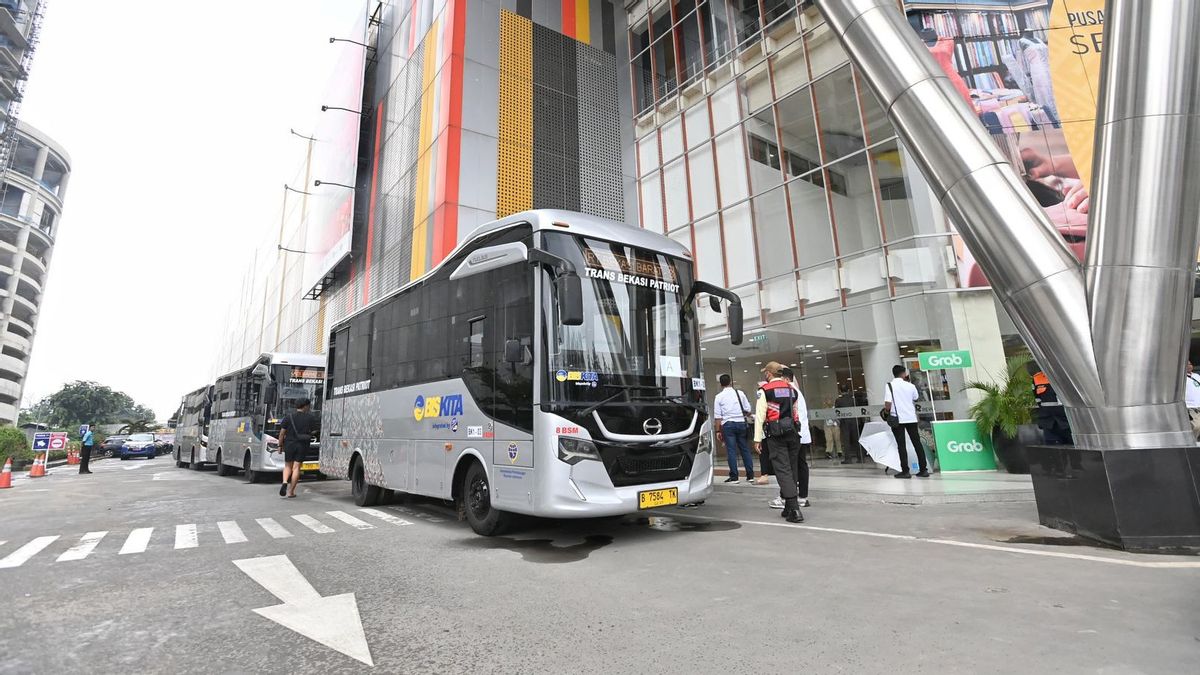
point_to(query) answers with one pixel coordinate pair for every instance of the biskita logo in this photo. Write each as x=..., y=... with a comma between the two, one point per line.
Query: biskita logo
x=952, y=360
x=437, y=406
x=964, y=446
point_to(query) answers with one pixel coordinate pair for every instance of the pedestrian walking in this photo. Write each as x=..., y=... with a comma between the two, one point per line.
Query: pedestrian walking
x=800, y=468
x=86, y=443
x=731, y=410
x=777, y=432
x=1051, y=415
x=1191, y=397
x=295, y=434
x=900, y=405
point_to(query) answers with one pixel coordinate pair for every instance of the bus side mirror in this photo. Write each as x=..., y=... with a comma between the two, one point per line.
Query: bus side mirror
x=734, y=314
x=514, y=352
x=568, y=290
x=261, y=370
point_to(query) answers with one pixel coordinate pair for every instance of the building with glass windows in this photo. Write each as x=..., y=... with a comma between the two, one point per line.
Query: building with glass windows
x=736, y=127
x=31, y=202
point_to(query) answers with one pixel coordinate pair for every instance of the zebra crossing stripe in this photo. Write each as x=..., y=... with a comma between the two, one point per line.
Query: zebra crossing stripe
x=351, y=520
x=87, y=544
x=273, y=528
x=386, y=517
x=312, y=523
x=185, y=536
x=231, y=532
x=137, y=541
x=19, y=556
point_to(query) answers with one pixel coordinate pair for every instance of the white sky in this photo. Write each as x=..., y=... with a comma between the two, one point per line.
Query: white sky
x=176, y=117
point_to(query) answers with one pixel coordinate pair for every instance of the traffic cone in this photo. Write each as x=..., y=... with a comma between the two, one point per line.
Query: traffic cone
x=39, y=467
x=6, y=474
x=72, y=456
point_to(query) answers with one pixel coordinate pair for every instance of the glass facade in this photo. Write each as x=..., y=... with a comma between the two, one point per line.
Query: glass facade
x=760, y=147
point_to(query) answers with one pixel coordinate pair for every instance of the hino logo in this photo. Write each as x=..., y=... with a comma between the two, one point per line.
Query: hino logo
x=652, y=426
x=964, y=446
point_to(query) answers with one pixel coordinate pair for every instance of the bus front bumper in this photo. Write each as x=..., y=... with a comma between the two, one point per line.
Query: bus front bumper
x=585, y=490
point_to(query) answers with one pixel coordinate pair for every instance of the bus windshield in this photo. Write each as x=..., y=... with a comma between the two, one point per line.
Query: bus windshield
x=297, y=382
x=635, y=331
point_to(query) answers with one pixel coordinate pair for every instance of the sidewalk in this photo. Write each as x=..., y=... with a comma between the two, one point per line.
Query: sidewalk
x=866, y=485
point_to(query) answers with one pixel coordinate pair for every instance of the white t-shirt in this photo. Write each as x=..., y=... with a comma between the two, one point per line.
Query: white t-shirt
x=802, y=408
x=1191, y=391
x=731, y=405
x=904, y=404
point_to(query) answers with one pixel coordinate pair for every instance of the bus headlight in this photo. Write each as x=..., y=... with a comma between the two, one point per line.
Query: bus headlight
x=575, y=450
x=705, y=444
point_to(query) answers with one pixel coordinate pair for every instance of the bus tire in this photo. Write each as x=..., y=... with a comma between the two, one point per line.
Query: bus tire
x=364, y=493
x=193, y=464
x=252, y=476
x=178, y=459
x=222, y=468
x=477, y=503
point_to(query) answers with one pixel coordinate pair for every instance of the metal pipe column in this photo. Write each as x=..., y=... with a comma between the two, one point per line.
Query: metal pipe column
x=1029, y=265
x=1145, y=223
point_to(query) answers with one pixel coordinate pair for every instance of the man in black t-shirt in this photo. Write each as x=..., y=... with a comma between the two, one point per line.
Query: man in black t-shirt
x=295, y=433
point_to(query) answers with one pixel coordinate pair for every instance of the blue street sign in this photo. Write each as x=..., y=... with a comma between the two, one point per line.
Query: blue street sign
x=41, y=441
x=83, y=428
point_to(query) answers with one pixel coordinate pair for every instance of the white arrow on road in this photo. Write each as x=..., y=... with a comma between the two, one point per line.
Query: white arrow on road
x=333, y=621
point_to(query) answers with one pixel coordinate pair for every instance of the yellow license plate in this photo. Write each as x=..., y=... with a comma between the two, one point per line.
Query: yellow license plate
x=650, y=499
x=310, y=466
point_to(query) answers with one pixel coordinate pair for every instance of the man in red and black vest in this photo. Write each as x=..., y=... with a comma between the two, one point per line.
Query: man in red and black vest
x=777, y=426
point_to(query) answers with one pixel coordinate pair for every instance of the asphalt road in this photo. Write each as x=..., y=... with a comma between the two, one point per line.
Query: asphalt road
x=726, y=588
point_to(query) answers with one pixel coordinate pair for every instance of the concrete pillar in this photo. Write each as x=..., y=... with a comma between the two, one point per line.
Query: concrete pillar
x=39, y=165
x=977, y=328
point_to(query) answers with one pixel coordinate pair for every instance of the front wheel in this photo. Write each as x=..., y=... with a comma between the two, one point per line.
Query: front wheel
x=222, y=468
x=364, y=494
x=252, y=476
x=477, y=503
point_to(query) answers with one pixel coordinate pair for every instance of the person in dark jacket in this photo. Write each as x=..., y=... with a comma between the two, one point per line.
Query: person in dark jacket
x=295, y=434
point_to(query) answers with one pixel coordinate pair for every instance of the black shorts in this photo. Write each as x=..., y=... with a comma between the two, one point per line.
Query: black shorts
x=294, y=453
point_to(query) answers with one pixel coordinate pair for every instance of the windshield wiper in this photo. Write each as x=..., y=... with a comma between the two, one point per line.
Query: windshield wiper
x=683, y=401
x=624, y=390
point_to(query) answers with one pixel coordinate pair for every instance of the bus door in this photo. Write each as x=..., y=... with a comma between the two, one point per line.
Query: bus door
x=513, y=456
x=332, y=425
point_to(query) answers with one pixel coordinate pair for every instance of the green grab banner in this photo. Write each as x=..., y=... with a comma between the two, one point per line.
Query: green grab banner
x=960, y=446
x=945, y=360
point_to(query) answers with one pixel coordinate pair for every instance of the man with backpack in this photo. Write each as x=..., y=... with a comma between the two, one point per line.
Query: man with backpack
x=295, y=434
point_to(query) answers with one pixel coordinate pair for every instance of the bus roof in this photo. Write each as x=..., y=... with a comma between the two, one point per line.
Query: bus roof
x=296, y=359
x=578, y=224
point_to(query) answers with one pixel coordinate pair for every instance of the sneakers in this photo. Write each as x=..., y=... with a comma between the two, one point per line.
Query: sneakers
x=923, y=474
x=803, y=502
x=731, y=479
x=903, y=474
x=776, y=503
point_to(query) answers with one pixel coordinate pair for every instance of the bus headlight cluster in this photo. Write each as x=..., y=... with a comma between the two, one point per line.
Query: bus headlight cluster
x=575, y=450
x=705, y=444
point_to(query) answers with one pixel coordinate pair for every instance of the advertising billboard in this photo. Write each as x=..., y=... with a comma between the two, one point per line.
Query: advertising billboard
x=1030, y=70
x=330, y=215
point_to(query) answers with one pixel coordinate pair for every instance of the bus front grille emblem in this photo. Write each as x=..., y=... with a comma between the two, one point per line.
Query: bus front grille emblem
x=652, y=426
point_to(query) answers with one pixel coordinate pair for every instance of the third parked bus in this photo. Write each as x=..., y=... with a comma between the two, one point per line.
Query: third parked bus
x=549, y=366
x=191, y=432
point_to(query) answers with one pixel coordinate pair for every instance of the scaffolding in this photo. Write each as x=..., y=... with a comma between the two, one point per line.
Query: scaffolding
x=34, y=16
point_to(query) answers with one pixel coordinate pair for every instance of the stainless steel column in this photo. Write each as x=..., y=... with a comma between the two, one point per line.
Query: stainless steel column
x=1145, y=220
x=1027, y=262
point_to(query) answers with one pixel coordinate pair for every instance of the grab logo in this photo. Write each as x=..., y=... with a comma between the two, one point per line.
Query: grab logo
x=964, y=446
x=943, y=361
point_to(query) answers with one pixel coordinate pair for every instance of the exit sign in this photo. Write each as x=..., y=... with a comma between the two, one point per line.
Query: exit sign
x=945, y=360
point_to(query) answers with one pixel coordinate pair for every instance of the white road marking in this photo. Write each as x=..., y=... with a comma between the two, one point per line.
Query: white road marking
x=273, y=528
x=231, y=532
x=386, y=517
x=19, y=556
x=131, y=467
x=137, y=541
x=185, y=536
x=312, y=523
x=351, y=520
x=87, y=544
x=967, y=544
x=332, y=621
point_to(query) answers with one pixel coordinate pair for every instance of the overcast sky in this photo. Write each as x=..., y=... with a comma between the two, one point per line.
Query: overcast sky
x=176, y=117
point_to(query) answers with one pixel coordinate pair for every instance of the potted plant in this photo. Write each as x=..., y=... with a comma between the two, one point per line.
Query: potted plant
x=1006, y=408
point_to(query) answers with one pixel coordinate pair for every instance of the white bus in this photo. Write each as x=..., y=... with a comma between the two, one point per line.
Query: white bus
x=549, y=366
x=248, y=405
x=191, y=432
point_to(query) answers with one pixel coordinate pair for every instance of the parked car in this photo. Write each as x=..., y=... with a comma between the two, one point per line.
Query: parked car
x=111, y=445
x=138, y=445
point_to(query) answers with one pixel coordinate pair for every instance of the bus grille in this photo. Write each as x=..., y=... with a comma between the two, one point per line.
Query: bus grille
x=638, y=464
x=648, y=464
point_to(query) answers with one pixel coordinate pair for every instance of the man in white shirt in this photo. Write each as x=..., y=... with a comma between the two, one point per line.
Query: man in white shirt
x=1191, y=397
x=730, y=410
x=900, y=401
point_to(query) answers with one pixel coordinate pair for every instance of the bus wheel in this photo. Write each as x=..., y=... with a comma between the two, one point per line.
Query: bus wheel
x=364, y=494
x=477, y=503
x=252, y=476
x=222, y=469
x=178, y=460
x=193, y=464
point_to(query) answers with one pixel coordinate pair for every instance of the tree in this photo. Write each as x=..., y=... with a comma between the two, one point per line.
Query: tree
x=137, y=426
x=84, y=402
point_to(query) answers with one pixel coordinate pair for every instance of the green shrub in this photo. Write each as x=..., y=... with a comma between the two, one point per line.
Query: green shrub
x=13, y=443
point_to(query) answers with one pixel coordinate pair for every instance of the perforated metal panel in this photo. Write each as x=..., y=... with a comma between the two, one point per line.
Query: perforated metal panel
x=514, y=175
x=599, y=129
